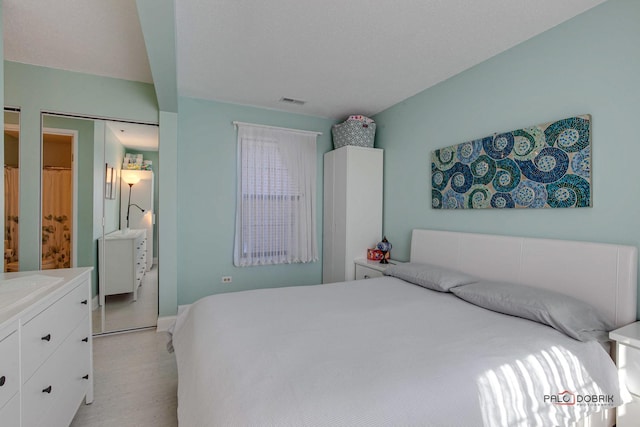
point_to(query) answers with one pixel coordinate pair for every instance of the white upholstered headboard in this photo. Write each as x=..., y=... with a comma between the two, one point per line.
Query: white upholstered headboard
x=603, y=275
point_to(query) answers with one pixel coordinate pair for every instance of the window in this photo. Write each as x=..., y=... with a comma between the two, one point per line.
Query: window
x=276, y=200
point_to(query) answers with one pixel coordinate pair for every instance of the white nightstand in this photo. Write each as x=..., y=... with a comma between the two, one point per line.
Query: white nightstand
x=627, y=341
x=366, y=269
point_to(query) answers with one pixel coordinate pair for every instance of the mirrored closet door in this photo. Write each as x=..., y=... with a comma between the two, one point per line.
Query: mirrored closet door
x=128, y=292
x=95, y=174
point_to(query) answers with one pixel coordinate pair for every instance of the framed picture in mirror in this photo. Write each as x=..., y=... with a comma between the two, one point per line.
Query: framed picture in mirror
x=109, y=182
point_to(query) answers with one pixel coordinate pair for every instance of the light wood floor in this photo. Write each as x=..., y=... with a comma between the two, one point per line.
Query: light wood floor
x=136, y=382
x=122, y=312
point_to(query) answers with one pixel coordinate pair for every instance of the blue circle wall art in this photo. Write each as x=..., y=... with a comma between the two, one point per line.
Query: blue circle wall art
x=544, y=166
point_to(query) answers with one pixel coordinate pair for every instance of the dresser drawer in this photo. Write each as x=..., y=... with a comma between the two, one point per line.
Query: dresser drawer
x=10, y=413
x=629, y=367
x=9, y=368
x=141, y=263
x=363, y=272
x=46, y=331
x=53, y=392
x=141, y=244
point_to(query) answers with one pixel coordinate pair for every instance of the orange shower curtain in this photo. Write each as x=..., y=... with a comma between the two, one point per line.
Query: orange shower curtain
x=11, y=229
x=57, y=225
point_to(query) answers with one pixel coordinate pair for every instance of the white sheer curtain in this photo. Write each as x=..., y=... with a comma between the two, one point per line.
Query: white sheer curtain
x=276, y=197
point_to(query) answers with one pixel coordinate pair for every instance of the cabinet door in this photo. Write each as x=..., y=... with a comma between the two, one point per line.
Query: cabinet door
x=352, y=208
x=363, y=205
x=334, y=227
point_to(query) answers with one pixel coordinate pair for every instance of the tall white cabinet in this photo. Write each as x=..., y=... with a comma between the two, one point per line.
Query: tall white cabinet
x=352, y=209
x=142, y=195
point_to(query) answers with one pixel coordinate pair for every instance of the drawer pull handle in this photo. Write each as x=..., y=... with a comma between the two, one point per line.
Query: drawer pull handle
x=46, y=337
x=47, y=390
x=85, y=339
x=3, y=380
x=84, y=301
x=85, y=377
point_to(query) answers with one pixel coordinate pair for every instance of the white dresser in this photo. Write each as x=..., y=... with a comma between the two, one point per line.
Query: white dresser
x=125, y=258
x=352, y=209
x=46, y=366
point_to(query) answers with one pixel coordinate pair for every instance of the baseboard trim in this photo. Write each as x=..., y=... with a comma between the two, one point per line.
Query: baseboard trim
x=164, y=323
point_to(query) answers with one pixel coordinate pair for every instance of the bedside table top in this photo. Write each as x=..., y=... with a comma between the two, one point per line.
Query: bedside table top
x=629, y=334
x=375, y=265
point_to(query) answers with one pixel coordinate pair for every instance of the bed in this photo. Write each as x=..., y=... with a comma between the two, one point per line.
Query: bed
x=386, y=351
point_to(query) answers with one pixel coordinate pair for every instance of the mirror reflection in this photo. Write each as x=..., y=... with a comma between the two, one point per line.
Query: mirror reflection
x=94, y=172
x=129, y=290
x=11, y=190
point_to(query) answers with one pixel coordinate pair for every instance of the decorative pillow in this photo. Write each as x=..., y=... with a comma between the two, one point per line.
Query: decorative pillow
x=573, y=317
x=429, y=276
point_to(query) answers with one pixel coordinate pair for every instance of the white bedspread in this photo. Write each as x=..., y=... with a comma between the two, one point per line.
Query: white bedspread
x=378, y=352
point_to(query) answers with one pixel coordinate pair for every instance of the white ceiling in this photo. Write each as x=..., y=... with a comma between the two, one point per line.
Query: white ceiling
x=341, y=57
x=89, y=36
x=135, y=136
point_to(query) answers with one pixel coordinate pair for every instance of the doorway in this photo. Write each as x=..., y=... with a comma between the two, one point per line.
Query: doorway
x=58, y=199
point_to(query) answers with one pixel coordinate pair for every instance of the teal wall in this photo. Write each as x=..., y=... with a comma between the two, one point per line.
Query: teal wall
x=168, y=220
x=34, y=89
x=588, y=65
x=153, y=156
x=207, y=197
x=29, y=86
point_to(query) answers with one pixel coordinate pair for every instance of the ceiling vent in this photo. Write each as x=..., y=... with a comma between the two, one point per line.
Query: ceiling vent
x=292, y=101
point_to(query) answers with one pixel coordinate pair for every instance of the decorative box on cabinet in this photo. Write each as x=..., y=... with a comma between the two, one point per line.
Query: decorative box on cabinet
x=46, y=366
x=141, y=195
x=125, y=258
x=627, y=341
x=352, y=209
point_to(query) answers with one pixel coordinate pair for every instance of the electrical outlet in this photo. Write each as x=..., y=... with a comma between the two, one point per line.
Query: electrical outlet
x=226, y=279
